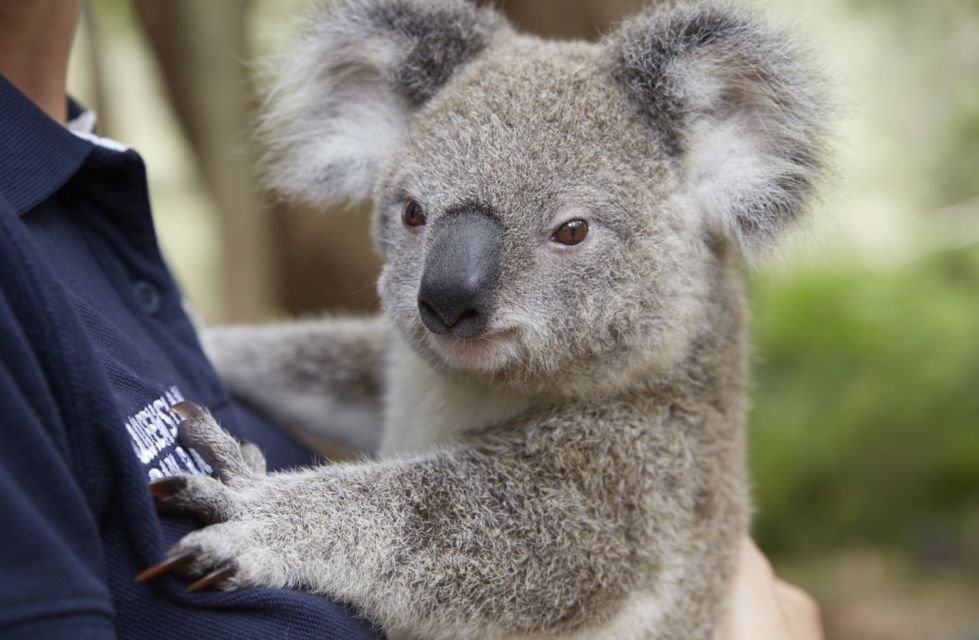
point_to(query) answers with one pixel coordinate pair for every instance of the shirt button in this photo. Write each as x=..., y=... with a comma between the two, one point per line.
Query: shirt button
x=147, y=297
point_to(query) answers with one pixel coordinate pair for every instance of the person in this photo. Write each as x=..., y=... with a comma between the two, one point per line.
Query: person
x=763, y=607
x=95, y=349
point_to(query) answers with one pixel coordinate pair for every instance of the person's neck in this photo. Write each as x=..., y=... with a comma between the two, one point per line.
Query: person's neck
x=35, y=43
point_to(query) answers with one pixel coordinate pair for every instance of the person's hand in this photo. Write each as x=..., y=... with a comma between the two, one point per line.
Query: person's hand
x=765, y=608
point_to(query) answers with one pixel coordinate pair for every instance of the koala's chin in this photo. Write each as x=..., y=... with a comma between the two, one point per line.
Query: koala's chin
x=493, y=353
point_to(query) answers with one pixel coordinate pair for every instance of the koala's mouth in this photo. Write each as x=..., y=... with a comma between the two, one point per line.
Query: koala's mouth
x=488, y=352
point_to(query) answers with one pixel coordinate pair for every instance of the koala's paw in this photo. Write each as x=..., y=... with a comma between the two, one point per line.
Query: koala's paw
x=232, y=461
x=228, y=555
x=230, y=552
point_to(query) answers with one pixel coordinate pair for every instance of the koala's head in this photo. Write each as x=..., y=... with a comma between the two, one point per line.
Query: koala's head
x=549, y=212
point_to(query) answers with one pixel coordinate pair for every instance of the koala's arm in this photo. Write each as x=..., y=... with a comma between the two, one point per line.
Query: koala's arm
x=514, y=536
x=323, y=378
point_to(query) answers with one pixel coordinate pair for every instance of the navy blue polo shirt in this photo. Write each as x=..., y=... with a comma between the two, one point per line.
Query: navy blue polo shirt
x=94, y=350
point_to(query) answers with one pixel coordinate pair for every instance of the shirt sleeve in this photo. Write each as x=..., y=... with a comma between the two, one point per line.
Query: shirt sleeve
x=53, y=580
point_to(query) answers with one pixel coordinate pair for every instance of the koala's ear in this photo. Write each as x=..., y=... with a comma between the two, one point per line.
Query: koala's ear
x=341, y=100
x=732, y=102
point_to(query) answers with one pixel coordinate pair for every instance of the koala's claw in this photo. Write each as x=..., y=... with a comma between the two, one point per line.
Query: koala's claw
x=188, y=410
x=182, y=562
x=215, y=578
x=167, y=487
x=174, y=563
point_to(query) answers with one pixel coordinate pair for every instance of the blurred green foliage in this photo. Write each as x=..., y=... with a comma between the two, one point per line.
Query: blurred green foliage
x=865, y=425
x=958, y=156
x=927, y=69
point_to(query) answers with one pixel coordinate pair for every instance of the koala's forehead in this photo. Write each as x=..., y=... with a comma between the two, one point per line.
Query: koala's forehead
x=528, y=124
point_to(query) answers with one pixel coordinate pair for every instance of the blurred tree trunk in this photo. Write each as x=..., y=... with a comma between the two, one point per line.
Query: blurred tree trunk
x=328, y=261
x=202, y=51
x=90, y=37
x=567, y=18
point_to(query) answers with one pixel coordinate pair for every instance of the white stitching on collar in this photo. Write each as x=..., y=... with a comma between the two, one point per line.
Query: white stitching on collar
x=83, y=126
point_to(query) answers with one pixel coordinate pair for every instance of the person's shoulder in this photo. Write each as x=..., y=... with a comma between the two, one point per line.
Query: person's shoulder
x=29, y=308
x=12, y=240
x=16, y=248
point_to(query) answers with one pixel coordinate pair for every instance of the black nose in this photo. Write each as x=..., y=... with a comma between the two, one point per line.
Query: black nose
x=459, y=284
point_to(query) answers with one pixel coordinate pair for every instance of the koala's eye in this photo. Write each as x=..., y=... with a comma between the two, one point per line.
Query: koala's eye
x=412, y=214
x=571, y=232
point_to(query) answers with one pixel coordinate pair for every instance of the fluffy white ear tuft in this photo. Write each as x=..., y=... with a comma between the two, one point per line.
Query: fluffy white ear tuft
x=325, y=128
x=732, y=101
x=338, y=104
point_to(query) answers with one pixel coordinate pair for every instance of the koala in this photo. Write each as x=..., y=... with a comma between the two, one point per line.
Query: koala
x=550, y=408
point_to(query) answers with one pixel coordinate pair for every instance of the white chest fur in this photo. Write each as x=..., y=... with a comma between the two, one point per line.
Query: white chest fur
x=424, y=408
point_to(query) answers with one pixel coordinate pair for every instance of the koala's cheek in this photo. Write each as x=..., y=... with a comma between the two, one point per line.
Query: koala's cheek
x=383, y=285
x=391, y=291
x=398, y=290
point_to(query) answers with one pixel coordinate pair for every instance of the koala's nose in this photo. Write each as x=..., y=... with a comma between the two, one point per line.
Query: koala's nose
x=458, y=286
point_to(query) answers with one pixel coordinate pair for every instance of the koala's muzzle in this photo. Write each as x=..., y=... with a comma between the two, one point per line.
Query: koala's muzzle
x=458, y=286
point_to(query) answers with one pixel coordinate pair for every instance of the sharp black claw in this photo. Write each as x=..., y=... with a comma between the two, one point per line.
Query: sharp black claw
x=216, y=577
x=173, y=563
x=188, y=410
x=167, y=487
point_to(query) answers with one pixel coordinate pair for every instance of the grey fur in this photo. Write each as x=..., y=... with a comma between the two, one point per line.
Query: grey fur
x=439, y=37
x=301, y=385
x=578, y=470
x=713, y=64
x=361, y=67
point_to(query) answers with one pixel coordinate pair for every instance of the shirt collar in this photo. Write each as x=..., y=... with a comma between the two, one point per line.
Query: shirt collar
x=37, y=154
